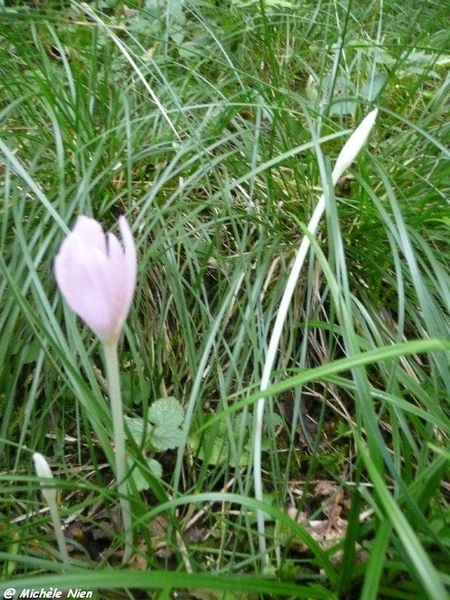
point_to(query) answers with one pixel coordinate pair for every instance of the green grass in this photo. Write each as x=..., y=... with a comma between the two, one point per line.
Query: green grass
x=214, y=127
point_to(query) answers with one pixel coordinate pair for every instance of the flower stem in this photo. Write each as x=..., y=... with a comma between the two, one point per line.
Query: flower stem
x=49, y=493
x=346, y=157
x=61, y=540
x=268, y=368
x=112, y=373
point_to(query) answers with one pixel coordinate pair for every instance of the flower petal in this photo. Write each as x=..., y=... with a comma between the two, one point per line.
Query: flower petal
x=91, y=233
x=97, y=276
x=130, y=261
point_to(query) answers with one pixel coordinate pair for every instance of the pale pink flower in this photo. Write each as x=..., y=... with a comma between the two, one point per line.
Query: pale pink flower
x=97, y=276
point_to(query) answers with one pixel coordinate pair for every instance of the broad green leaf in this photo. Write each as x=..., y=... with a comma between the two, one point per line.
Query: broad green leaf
x=162, y=432
x=167, y=415
x=166, y=438
x=136, y=428
x=140, y=481
x=166, y=412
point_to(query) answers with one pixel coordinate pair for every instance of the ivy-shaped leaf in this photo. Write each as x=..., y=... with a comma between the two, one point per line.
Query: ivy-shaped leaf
x=136, y=428
x=162, y=431
x=166, y=415
x=140, y=480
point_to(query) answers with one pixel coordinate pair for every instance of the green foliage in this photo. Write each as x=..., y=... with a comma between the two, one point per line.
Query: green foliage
x=162, y=430
x=214, y=127
x=159, y=432
x=224, y=442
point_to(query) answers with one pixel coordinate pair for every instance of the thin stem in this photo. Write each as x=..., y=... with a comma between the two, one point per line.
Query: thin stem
x=346, y=157
x=49, y=493
x=268, y=366
x=112, y=373
x=61, y=540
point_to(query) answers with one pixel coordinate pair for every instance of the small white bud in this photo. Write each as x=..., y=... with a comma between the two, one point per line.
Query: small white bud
x=353, y=145
x=41, y=466
x=43, y=470
x=49, y=492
